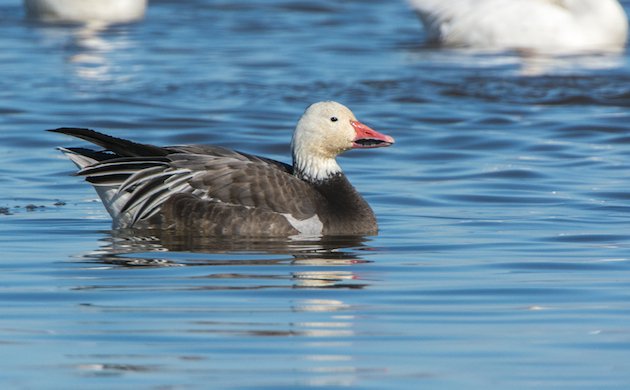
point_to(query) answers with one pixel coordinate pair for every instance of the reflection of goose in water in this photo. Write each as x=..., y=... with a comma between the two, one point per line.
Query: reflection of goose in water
x=94, y=51
x=322, y=257
x=545, y=25
x=82, y=11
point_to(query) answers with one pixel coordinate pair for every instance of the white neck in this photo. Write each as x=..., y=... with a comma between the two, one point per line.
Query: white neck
x=315, y=169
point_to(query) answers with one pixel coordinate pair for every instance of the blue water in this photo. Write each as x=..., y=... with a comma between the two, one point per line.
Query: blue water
x=503, y=258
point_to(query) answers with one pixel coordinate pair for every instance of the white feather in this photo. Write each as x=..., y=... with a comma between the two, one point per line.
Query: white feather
x=79, y=160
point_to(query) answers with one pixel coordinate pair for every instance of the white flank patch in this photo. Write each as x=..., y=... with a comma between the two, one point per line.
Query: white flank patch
x=309, y=227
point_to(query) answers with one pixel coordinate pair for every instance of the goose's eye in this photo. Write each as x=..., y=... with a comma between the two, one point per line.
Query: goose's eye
x=334, y=119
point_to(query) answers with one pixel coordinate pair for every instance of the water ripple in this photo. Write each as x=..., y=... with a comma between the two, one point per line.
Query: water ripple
x=502, y=207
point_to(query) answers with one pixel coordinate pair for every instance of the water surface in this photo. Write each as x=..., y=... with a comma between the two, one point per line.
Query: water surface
x=502, y=259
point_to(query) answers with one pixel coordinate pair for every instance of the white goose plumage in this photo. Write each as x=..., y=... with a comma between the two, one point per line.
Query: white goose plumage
x=540, y=25
x=86, y=11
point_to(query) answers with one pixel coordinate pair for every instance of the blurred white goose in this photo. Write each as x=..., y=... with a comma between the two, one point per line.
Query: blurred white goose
x=82, y=11
x=539, y=25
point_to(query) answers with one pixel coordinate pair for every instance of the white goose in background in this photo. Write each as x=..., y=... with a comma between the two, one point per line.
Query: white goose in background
x=539, y=25
x=86, y=11
x=210, y=190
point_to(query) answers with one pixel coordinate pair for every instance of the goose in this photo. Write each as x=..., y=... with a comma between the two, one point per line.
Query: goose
x=81, y=11
x=213, y=191
x=537, y=25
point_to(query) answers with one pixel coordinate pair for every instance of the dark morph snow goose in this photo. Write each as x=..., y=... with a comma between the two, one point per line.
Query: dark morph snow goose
x=211, y=190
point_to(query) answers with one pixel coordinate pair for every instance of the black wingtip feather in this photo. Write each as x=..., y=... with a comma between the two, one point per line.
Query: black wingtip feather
x=119, y=146
x=93, y=154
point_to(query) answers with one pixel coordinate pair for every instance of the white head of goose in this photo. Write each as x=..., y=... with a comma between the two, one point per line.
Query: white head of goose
x=210, y=190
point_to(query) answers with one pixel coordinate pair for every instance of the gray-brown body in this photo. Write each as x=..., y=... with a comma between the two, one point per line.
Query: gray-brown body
x=208, y=190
